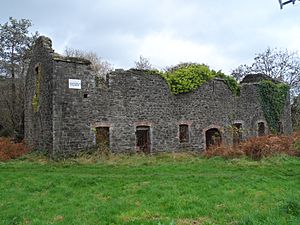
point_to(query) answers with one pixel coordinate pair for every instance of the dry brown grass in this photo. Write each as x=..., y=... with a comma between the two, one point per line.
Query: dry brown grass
x=259, y=147
x=10, y=150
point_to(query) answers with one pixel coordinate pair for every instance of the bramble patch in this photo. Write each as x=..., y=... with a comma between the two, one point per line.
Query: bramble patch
x=10, y=150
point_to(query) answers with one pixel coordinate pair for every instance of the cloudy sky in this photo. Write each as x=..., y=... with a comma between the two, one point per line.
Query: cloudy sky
x=222, y=34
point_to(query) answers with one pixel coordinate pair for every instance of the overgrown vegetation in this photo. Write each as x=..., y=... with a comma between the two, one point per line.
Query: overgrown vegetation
x=187, y=77
x=273, y=97
x=36, y=97
x=257, y=148
x=10, y=150
x=177, y=188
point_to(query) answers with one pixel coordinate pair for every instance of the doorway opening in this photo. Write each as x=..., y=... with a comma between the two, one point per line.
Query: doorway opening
x=213, y=137
x=237, y=133
x=143, y=142
x=102, y=138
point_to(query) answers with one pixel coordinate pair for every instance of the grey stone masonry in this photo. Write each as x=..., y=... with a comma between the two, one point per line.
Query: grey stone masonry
x=65, y=106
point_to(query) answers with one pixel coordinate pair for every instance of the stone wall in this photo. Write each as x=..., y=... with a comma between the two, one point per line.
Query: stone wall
x=135, y=98
x=67, y=118
x=71, y=110
x=38, y=124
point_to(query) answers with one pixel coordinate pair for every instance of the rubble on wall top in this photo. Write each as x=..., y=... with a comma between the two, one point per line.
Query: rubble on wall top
x=58, y=57
x=45, y=42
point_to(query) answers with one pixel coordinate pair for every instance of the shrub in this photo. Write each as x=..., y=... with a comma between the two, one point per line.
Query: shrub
x=10, y=150
x=257, y=148
x=296, y=144
x=187, y=77
x=224, y=151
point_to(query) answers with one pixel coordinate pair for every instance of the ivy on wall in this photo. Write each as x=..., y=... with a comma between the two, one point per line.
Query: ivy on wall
x=36, y=97
x=273, y=97
x=231, y=83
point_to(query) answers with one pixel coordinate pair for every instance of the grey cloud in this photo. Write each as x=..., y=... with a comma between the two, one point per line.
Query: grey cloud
x=115, y=29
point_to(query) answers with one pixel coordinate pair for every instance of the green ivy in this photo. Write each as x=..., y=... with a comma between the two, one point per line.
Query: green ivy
x=231, y=83
x=35, y=103
x=189, y=77
x=36, y=97
x=273, y=97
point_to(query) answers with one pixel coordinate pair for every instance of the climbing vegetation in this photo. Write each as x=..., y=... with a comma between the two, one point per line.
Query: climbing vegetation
x=187, y=77
x=35, y=103
x=273, y=97
x=36, y=97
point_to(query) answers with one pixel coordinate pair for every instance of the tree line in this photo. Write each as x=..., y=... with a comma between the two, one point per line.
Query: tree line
x=15, y=51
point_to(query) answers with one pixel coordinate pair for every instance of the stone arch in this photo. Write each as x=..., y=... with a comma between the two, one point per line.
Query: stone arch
x=212, y=136
x=261, y=128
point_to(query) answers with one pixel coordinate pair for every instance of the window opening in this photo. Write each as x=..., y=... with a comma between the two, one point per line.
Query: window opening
x=261, y=129
x=280, y=128
x=183, y=133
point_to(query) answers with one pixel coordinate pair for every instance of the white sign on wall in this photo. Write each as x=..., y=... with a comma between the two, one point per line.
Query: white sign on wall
x=74, y=84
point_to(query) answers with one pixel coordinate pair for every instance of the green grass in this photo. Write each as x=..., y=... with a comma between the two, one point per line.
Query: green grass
x=163, y=189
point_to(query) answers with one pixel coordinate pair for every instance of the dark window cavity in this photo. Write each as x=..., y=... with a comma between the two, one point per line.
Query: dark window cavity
x=183, y=133
x=280, y=128
x=261, y=129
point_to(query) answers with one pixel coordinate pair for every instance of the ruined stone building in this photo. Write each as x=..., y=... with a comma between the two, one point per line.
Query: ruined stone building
x=67, y=111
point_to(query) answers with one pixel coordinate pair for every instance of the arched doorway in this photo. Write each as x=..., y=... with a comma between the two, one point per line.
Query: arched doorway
x=261, y=129
x=213, y=137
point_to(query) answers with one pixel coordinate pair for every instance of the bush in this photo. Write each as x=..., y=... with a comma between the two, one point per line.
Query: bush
x=296, y=144
x=187, y=77
x=257, y=148
x=224, y=151
x=10, y=150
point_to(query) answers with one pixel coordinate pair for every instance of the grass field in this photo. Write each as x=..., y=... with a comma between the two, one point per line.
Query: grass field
x=163, y=189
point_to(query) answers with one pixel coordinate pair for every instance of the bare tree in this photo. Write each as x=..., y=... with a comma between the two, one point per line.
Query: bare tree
x=100, y=67
x=279, y=64
x=15, y=44
x=143, y=64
